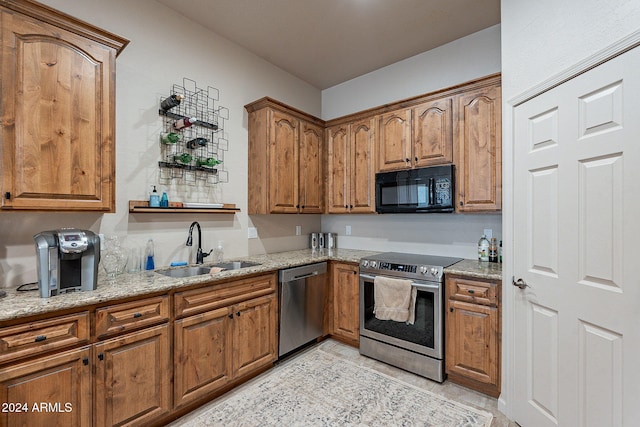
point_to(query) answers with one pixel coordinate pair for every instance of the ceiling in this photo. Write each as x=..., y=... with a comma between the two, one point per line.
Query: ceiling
x=327, y=42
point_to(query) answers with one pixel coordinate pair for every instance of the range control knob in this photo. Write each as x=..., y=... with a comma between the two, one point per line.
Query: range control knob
x=434, y=271
x=423, y=269
x=365, y=263
x=374, y=264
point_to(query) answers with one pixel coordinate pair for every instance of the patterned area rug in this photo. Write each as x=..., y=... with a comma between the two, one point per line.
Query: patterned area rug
x=319, y=389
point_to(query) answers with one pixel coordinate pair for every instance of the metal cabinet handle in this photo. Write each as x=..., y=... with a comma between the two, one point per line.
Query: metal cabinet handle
x=40, y=338
x=238, y=314
x=101, y=356
x=136, y=315
x=471, y=291
x=230, y=316
x=85, y=361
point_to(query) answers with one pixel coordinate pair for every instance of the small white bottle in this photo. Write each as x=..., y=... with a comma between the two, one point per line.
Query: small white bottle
x=219, y=252
x=483, y=249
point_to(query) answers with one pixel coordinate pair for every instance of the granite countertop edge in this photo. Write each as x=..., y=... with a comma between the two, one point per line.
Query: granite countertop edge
x=18, y=305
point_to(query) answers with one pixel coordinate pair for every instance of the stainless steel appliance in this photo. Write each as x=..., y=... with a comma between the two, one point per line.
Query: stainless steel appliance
x=421, y=190
x=417, y=348
x=302, y=294
x=67, y=261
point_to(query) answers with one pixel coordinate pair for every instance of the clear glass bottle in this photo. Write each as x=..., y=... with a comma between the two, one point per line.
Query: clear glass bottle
x=219, y=252
x=483, y=249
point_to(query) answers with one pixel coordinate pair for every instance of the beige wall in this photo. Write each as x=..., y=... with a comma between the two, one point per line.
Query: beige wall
x=165, y=48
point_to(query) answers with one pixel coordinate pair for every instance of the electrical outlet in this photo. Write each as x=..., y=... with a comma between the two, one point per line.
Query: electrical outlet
x=298, y=230
x=252, y=232
x=347, y=230
x=488, y=233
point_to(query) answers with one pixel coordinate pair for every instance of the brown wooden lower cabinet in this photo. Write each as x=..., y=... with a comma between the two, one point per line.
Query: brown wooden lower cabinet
x=50, y=391
x=149, y=365
x=201, y=358
x=217, y=346
x=133, y=378
x=346, y=313
x=473, y=332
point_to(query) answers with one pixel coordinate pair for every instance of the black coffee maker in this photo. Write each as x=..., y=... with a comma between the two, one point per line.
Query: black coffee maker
x=67, y=261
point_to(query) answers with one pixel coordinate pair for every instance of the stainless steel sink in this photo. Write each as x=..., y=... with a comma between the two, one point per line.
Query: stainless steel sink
x=198, y=270
x=235, y=265
x=185, y=271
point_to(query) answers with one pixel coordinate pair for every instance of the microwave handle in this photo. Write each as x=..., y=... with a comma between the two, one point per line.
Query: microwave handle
x=431, y=192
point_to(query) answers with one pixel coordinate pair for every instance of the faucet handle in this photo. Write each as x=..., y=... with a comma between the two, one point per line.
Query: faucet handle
x=204, y=255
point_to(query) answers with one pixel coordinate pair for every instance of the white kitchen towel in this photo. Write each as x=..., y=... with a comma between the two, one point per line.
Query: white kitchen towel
x=394, y=299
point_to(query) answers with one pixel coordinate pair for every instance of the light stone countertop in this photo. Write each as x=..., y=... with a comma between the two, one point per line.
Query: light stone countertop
x=23, y=304
x=477, y=269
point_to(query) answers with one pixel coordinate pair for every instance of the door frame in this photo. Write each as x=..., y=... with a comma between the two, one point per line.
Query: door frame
x=509, y=364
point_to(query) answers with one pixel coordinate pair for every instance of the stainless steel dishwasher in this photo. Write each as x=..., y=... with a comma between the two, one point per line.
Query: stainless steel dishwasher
x=302, y=294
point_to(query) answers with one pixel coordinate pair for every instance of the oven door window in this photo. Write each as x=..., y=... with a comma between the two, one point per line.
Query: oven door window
x=420, y=333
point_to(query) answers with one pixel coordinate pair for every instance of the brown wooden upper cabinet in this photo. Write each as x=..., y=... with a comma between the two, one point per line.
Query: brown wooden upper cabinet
x=479, y=150
x=460, y=125
x=58, y=110
x=351, y=167
x=286, y=162
x=416, y=137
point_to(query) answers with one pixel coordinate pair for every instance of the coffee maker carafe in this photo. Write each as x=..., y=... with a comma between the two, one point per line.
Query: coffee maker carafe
x=67, y=261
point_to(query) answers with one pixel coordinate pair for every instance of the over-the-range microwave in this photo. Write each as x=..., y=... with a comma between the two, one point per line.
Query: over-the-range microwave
x=423, y=190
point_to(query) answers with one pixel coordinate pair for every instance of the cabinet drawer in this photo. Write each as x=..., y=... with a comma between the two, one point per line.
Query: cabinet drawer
x=133, y=315
x=223, y=294
x=473, y=291
x=43, y=336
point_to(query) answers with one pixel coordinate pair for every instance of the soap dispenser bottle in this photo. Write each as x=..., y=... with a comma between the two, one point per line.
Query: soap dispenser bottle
x=149, y=254
x=154, y=198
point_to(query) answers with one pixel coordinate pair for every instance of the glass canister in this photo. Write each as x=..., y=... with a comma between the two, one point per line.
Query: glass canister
x=114, y=257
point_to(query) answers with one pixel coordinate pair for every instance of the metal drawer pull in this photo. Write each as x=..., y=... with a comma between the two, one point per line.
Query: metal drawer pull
x=41, y=338
x=136, y=315
x=85, y=361
x=101, y=356
x=471, y=291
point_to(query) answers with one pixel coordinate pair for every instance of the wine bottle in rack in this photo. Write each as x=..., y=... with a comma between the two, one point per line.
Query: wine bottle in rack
x=197, y=142
x=172, y=101
x=184, y=123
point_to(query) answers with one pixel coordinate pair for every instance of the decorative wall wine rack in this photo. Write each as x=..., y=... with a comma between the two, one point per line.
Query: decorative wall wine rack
x=196, y=152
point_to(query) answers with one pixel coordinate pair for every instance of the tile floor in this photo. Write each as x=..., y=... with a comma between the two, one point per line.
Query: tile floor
x=446, y=389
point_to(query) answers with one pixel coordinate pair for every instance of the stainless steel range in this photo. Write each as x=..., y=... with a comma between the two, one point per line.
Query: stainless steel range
x=416, y=347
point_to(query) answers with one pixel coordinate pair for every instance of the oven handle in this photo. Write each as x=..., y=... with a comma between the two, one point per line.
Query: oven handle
x=416, y=285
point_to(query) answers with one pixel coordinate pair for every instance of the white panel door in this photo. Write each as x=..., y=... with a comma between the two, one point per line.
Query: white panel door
x=577, y=247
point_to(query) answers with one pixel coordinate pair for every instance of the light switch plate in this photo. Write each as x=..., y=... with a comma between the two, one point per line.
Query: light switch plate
x=347, y=230
x=252, y=232
x=298, y=230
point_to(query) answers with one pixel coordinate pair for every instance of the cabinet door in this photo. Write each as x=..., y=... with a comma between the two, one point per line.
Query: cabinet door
x=133, y=377
x=58, y=105
x=433, y=133
x=283, y=155
x=202, y=350
x=254, y=328
x=394, y=143
x=480, y=151
x=362, y=166
x=311, y=168
x=346, y=312
x=56, y=390
x=338, y=177
x=472, y=342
